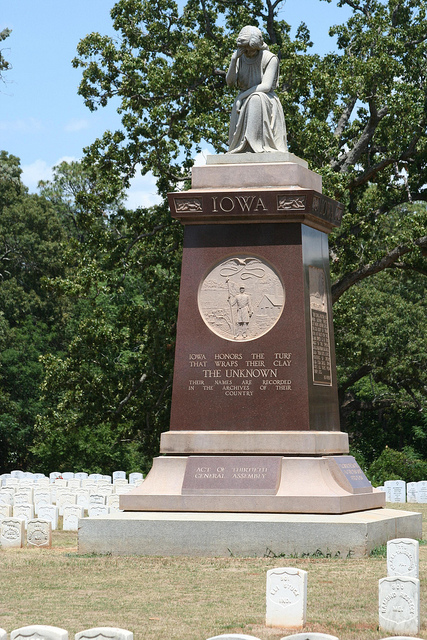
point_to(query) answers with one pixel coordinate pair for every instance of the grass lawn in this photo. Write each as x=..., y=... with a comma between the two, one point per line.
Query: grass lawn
x=186, y=598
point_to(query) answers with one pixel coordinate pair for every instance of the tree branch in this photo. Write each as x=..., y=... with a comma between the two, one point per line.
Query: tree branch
x=339, y=287
x=136, y=385
x=351, y=157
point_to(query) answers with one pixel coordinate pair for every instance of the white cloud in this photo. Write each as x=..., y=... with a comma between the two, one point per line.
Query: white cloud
x=26, y=125
x=40, y=170
x=33, y=173
x=142, y=192
x=75, y=125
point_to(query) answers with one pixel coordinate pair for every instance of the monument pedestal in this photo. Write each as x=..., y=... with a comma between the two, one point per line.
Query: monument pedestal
x=254, y=461
x=255, y=421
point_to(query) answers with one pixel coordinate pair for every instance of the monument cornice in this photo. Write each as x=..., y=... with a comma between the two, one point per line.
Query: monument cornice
x=256, y=206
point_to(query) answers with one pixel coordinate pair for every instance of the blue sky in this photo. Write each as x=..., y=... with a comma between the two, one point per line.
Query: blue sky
x=42, y=119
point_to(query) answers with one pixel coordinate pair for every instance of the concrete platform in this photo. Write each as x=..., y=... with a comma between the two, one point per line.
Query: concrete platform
x=245, y=535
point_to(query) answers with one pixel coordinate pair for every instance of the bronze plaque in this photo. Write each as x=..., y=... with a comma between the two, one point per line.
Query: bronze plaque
x=320, y=345
x=232, y=475
x=348, y=466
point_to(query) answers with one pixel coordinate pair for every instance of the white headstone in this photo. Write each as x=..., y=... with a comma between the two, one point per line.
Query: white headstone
x=3, y=634
x=422, y=491
x=411, y=491
x=395, y=490
x=41, y=498
x=72, y=513
x=95, y=477
x=54, y=475
x=399, y=605
x=43, y=482
x=16, y=473
x=12, y=531
x=82, y=498
x=119, y=475
x=22, y=497
x=107, y=479
x=6, y=497
x=39, y=533
x=135, y=477
x=113, y=502
x=120, y=489
x=49, y=512
x=403, y=557
x=96, y=498
x=105, y=490
x=75, y=483
x=60, y=483
x=5, y=510
x=104, y=633
x=39, y=632
x=120, y=481
x=81, y=475
x=25, y=511
x=97, y=510
x=286, y=598
x=65, y=500
x=67, y=475
x=11, y=482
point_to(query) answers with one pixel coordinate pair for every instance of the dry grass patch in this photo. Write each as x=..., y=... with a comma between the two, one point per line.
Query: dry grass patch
x=185, y=598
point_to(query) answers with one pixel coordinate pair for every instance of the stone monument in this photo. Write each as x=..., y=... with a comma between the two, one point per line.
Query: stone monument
x=254, y=431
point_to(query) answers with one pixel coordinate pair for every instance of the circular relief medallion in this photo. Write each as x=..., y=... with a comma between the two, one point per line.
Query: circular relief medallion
x=241, y=298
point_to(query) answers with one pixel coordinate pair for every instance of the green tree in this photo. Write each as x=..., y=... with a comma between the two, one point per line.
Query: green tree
x=105, y=397
x=358, y=115
x=30, y=320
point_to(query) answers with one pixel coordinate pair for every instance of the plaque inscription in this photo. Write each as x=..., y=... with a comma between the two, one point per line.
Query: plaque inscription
x=320, y=345
x=232, y=475
x=241, y=298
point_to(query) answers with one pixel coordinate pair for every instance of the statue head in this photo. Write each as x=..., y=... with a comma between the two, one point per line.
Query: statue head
x=251, y=37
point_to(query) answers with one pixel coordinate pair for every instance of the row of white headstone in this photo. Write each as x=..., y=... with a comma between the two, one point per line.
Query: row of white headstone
x=401, y=491
x=46, y=632
x=48, y=498
x=69, y=475
x=399, y=592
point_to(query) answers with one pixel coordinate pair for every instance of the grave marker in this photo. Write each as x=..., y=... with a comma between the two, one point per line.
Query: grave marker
x=286, y=598
x=25, y=511
x=12, y=531
x=5, y=511
x=403, y=557
x=49, y=512
x=399, y=605
x=395, y=490
x=411, y=492
x=72, y=513
x=104, y=633
x=39, y=632
x=39, y=533
x=422, y=491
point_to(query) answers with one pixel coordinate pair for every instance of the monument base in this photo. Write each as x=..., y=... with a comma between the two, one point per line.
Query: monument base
x=253, y=484
x=245, y=535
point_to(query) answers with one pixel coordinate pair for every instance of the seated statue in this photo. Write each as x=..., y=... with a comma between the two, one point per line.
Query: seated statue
x=257, y=122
